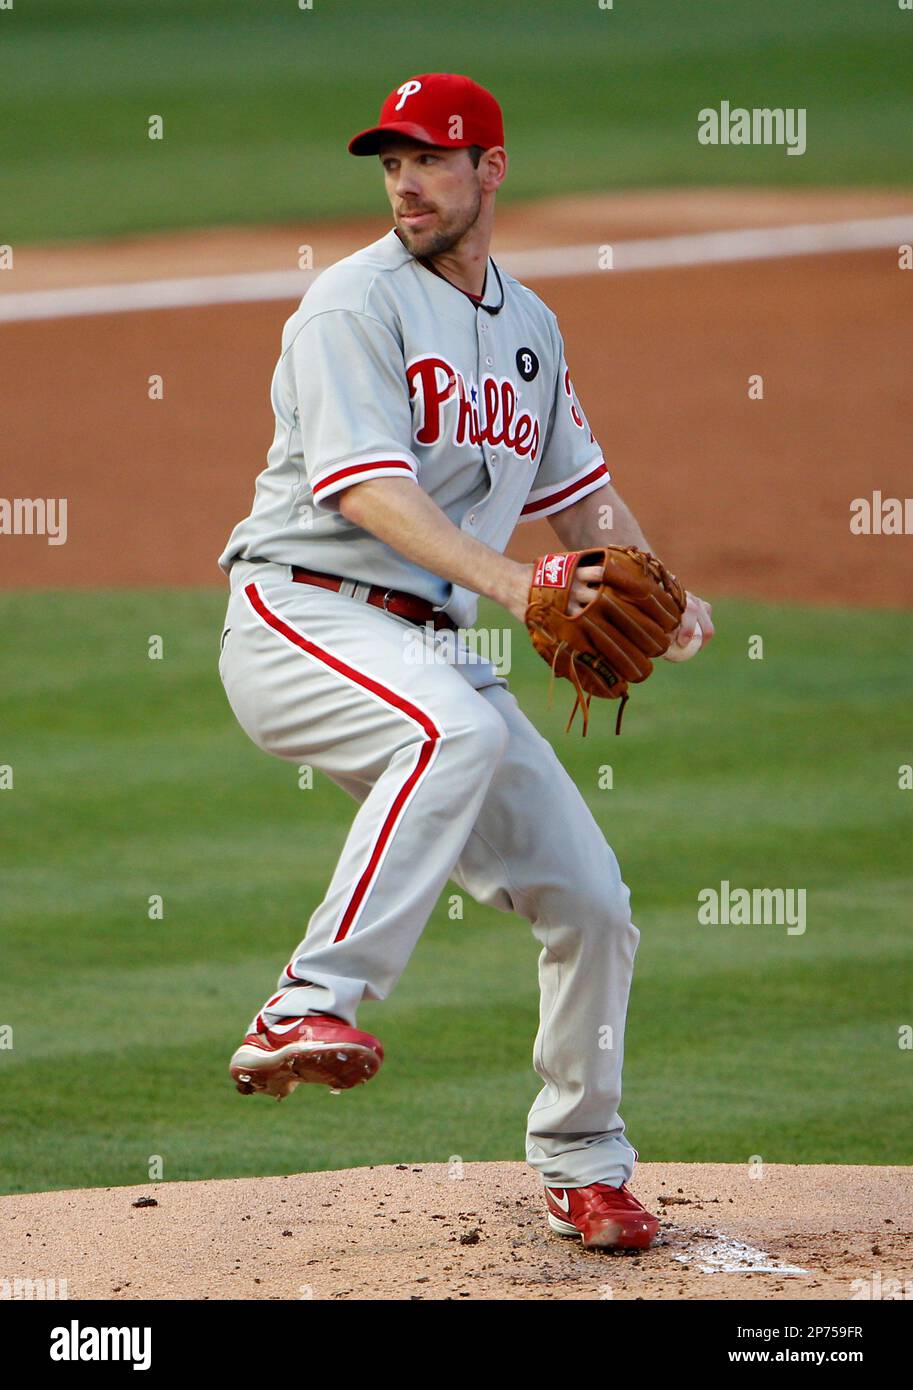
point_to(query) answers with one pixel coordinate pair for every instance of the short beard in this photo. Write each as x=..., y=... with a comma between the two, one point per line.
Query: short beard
x=446, y=238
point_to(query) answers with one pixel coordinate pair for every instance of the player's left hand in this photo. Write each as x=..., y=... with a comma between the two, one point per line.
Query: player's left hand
x=697, y=611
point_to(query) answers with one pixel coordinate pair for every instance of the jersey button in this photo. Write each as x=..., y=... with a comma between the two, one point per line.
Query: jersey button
x=472, y=518
x=489, y=361
x=492, y=459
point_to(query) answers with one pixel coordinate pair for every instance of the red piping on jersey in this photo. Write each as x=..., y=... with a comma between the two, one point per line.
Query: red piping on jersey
x=350, y=468
x=558, y=496
x=433, y=736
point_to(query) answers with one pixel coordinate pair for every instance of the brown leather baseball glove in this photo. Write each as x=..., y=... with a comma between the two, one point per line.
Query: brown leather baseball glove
x=610, y=643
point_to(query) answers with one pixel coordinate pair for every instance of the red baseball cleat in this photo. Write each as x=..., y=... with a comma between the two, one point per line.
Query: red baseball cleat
x=605, y=1216
x=321, y=1049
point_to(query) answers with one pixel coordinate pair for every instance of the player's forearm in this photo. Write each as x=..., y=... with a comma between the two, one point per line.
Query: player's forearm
x=601, y=518
x=403, y=516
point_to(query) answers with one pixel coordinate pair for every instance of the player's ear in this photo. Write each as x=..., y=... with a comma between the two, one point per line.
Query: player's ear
x=493, y=168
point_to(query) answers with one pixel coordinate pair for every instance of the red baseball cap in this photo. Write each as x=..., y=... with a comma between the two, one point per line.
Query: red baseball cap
x=438, y=108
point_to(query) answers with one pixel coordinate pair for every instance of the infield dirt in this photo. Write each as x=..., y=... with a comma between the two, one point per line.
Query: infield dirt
x=739, y=496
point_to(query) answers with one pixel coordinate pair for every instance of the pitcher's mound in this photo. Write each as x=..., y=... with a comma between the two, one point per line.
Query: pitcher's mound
x=473, y=1230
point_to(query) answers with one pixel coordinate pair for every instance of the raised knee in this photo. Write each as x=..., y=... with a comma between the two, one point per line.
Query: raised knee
x=587, y=908
x=483, y=739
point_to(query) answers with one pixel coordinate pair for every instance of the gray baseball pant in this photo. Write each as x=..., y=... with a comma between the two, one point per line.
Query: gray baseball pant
x=454, y=782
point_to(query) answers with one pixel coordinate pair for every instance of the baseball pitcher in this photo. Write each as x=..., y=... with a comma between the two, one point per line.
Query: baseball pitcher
x=423, y=408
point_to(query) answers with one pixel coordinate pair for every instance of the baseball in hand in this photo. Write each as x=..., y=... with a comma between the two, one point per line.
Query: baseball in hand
x=677, y=653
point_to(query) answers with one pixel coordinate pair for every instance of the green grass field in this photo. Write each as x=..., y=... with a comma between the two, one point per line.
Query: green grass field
x=258, y=100
x=131, y=779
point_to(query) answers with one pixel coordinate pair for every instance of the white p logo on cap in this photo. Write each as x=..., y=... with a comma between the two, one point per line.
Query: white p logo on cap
x=408, y=89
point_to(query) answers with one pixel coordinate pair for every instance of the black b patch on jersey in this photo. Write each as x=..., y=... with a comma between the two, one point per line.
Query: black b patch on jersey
x=527, y=364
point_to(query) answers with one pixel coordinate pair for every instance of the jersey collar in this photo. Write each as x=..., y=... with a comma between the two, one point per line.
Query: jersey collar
x=478, y=301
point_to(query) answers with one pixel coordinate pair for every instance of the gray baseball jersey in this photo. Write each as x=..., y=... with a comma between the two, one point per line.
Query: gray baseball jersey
x=388, y=370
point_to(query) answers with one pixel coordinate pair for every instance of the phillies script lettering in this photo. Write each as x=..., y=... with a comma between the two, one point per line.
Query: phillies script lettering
x=435, y=384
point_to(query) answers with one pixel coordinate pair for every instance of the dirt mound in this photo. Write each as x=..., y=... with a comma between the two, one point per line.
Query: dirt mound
x=472, y=1231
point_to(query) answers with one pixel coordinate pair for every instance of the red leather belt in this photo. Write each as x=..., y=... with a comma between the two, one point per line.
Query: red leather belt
x=417, y=610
